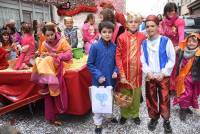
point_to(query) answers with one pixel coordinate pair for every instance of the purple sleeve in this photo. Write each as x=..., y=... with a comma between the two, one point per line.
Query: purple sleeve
x=18, y=37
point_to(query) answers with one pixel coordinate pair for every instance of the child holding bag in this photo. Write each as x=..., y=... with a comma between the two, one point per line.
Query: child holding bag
x=101, y=63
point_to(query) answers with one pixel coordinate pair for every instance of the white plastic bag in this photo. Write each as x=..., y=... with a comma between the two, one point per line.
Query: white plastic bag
x=101, y=99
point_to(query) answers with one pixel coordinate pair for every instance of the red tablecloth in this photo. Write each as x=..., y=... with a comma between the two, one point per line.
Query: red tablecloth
x=16, y=86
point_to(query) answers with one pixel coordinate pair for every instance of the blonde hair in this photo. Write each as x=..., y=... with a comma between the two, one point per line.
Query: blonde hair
x=68, y=18
x=133, y=16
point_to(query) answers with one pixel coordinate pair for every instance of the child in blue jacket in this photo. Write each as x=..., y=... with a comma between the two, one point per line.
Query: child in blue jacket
x=101, y=64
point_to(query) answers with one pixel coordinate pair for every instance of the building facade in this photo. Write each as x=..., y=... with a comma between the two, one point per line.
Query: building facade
x=184, y=6
x=23, y=10
x=194, y=8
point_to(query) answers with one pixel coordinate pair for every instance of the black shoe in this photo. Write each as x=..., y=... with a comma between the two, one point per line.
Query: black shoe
x=167, y=127
x=98, y=130
x=137, y=120
x=122, y=121
x=189, y=111
x=114, y=120
x=141, y=99
x=182, y=114
x=152, y=124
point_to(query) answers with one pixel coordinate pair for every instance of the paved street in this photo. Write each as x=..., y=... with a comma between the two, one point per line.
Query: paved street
x=28, y=124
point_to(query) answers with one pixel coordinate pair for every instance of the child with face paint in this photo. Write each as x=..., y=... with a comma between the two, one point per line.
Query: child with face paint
x=188, y=76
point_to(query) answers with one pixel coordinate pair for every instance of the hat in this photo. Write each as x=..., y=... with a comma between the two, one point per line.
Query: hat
x=152, y=18
x=183, y=43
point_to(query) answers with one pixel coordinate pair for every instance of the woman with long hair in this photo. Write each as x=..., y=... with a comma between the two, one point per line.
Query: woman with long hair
x=7, y=43
x=173, y=27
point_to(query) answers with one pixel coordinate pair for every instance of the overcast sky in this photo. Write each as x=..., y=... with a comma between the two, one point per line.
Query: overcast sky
x=146, y=7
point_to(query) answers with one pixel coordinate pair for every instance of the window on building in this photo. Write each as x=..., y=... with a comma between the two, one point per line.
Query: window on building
x=27, y=16
x=8, y=13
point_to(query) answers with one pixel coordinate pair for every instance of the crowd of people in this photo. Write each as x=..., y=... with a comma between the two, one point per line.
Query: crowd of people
x=120, y=50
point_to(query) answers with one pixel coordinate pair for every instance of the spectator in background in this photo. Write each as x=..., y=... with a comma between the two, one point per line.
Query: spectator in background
x=89, y=32
x=160, y=17
x=70, y=32
x=173, y=27
x=28, y=48
x=40, y=34
x=7, y=43
x=119, y=17
x=35, y=29
x=108, y=15
x=16, y=37
x=142, y=27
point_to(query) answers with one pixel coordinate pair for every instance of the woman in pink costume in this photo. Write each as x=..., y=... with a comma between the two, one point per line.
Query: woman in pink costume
x=173, y=27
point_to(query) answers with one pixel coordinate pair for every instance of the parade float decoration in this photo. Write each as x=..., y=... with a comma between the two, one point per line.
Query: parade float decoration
x=73, y=7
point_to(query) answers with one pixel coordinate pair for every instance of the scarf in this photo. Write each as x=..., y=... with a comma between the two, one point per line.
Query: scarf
x=180, y=85
x=169, y=28
x=188, y=53
x=51, y=46
x=170, y=21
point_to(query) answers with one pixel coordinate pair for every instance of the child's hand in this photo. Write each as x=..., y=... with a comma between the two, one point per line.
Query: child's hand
x=14, y=47
x=123, y=80
x=160, y=77
x=43, y=55
x=53, y=54
x=67, y=38
x=114, y=75
x=25, y=48
x=177, y=48
x=102, y=80
x=150, y=76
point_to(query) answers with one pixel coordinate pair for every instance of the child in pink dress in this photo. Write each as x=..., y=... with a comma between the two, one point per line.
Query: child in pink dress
x=28, y=48
x=89, y=32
